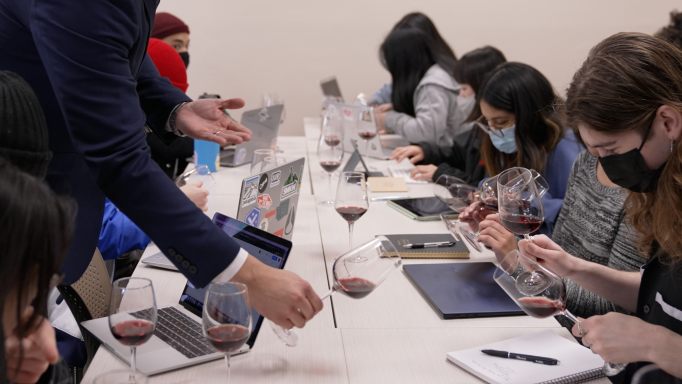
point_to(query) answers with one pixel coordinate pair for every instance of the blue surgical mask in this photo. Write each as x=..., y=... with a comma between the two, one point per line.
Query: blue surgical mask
x=506, y=143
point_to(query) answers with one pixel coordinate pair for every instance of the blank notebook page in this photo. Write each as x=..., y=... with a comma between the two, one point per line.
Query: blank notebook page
x=573, y=359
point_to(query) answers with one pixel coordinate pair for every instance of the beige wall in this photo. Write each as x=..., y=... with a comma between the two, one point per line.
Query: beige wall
x=241, y=48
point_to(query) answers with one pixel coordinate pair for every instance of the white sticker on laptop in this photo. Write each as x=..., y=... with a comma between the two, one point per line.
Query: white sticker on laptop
x=250, y=193
x=290, y=186
x=240, y=157
x=275, y=178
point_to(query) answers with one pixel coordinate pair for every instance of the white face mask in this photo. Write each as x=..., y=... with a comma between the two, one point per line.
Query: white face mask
x=466, y=104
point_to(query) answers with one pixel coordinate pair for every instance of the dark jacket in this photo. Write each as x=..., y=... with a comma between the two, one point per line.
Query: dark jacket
x=462, y=160
x=87, y=62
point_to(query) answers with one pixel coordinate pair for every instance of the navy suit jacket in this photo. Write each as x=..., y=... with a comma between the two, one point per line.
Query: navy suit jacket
x=87, y=62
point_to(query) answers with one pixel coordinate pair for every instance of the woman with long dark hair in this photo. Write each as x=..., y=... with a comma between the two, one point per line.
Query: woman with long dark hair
x=626, y=102
x=445, y=56
x=516, y=108
x=424, y=95
x=463, y=159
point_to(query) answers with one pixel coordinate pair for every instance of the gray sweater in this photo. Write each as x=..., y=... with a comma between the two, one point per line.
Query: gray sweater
x=592, y=226
x=438, y=120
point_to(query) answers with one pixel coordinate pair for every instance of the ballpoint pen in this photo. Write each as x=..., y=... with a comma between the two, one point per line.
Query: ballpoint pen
x=430, y=245
x=518, y=356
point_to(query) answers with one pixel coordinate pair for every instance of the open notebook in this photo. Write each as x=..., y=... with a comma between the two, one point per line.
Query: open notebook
x=577, y=364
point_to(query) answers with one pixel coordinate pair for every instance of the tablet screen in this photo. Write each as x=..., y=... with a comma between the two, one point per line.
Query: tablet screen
x=425, y=206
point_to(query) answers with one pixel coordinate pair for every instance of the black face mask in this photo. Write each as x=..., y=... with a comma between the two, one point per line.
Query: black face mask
x=185, y=58
x=628, y=170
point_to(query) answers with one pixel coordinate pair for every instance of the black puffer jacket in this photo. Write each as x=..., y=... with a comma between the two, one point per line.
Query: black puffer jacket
x=462, y=160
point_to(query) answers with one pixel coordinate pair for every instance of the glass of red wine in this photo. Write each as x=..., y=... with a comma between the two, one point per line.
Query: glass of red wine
x=132, y=313
x=226, y=318
x=352, y=201
x=356, y=280
x=538, y=291
x=330, y=156
x=457, y=195
x=487, y=205
x=520, y=206
x=366, y=131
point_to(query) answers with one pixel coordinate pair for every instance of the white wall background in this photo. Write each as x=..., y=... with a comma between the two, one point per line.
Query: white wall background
x=242, y=48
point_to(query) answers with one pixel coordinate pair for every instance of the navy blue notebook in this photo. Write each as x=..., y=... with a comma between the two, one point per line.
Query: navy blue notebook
x=462, y=290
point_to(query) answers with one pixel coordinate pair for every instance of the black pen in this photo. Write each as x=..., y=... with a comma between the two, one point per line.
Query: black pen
x=518, y=356
x=430, y=245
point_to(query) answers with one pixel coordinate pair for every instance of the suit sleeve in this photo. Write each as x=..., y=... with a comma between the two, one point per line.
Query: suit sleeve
x=86, y=52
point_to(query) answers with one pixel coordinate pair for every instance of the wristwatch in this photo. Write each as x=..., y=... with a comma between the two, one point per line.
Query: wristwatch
x=170, y=124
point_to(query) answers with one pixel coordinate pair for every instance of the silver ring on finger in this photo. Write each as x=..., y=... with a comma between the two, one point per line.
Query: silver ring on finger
x=580, y=329
x=216, y=133
x=532, y=239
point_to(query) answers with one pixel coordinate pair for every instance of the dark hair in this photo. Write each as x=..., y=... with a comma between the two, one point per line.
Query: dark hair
x=673, y=31
x=445, y=56
x=525, y=92
x=619, y=88
x=475, y=65
x=407, y=53
x=35, y=228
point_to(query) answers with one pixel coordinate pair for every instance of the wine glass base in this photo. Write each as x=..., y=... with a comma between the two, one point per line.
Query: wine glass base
x=287, y=336
x=360, y=259
x=326, y=203
x=470, y=238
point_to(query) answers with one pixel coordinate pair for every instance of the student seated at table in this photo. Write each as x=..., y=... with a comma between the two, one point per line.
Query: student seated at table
x=626, y=101
x=463, y=158
x=424, y=95
x=36, y=231
x=516, y=104
x=445, y=56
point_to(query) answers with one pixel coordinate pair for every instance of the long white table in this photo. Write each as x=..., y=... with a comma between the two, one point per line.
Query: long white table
x=391, y=336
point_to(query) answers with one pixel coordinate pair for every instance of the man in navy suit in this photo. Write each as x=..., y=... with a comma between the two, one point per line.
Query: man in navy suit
x=87, y=62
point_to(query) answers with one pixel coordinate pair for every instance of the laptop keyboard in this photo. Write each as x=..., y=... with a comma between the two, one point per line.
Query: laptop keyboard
x=180, y=332
x=404, y=172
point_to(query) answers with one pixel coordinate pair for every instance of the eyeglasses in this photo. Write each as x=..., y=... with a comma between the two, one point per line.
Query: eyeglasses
x=483, y=124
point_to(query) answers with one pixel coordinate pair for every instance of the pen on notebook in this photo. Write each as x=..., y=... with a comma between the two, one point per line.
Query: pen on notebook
x=518, y=356
x=430, y=245
x=388, y=198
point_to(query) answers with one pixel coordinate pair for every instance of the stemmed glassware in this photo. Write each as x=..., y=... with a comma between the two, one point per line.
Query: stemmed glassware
x=356, y=280
x=457, y=195
x=351, y=201
x=132, y=313
x=263, y=159
x=538, y=291
x=200, y=173
x=520, y=206
x=366, y=131
x=330, y=150
x=227, y=318
x=270, y=99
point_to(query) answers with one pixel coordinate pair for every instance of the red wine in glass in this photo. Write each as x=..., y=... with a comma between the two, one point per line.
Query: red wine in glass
x=351, y=214
x=332, y=140
x=541, y=307
x=354, y=287
x=330, y=166
x=227, y=337
x=521, y=225
x=133, y=332
x=367, y=135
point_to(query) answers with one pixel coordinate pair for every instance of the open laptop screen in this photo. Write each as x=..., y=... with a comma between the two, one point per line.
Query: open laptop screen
x=270, y=249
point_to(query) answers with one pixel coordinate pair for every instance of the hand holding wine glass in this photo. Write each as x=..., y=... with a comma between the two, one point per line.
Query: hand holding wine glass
x=457, y=195
x=132, y=313
x=520, y=206
x=351, y=200
x=226, y=318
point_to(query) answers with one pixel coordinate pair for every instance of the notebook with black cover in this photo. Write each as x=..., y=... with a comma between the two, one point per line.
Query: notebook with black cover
x=461, y=290
x=458, y=250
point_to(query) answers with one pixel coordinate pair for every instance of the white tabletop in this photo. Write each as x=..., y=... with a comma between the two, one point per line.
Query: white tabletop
x=391, y=336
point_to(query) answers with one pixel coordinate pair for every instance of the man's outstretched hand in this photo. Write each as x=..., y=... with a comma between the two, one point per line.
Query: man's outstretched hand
x=200, y=119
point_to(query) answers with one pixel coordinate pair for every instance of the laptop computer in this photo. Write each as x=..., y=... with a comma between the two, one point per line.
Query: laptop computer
x=330, y=89
x=461, y=290
x=269, y=199
x=264, y=125
x=166, y=350
x=379, y=146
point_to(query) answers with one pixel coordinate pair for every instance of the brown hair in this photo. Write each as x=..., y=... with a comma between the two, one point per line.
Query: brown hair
x=619, y=88
x=673, y=31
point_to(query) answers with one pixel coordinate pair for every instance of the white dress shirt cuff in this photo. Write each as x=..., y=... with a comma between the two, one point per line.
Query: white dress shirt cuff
x=233, y=268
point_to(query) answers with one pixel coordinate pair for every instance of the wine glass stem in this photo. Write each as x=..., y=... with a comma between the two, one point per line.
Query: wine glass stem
x=350, y=237
x=366, y=147
x=227, y=364
x=328, y=294
x=132, y=361
x=570, y=316
x=331, y=198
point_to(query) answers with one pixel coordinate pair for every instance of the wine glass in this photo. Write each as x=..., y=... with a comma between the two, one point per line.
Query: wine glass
x=351, y=201
x=226, y=318
x=120, y=376
x=132, y=313
x=520, y=206
x=270, y=99
x=356, y=280
x=538, y=291
x=259, y=159
x=200, y=173
x=330, y=155
x=457, y=195
x=365, y=129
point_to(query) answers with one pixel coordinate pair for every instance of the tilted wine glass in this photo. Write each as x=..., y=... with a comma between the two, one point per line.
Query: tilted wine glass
x=200, y=173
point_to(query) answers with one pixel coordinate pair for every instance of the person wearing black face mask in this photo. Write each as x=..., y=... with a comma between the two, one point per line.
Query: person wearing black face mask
x=634, y=122
x=173, y=31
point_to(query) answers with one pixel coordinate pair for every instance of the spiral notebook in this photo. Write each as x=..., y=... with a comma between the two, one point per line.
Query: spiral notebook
x=577, y=364
x=457, y=251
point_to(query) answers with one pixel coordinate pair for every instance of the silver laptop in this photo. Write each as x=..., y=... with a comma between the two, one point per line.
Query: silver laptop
x=264, y=125
x=330, y=89
x=378, y=146
x=269, y=200
x=167, y=350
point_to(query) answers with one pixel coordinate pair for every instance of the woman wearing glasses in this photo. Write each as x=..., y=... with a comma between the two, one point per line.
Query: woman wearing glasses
x=516, y=104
